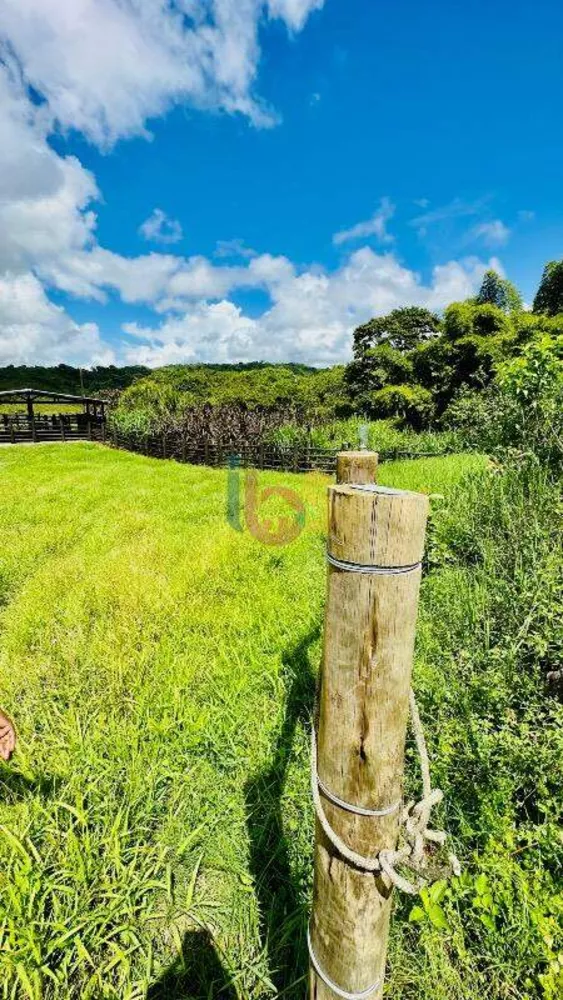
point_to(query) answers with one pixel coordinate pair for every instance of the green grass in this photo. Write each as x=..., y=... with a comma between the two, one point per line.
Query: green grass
x=160, y=666
x=49, y=409
x=383, y=436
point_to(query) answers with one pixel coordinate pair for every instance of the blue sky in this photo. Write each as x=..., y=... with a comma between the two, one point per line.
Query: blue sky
x=187, y=180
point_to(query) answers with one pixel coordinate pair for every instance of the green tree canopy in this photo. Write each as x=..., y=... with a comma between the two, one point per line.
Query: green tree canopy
x=401, y=329
x=499, y=292
x=549, y=296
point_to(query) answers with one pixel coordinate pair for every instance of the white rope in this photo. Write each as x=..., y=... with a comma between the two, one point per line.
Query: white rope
x=415, y=819
x=344, y=994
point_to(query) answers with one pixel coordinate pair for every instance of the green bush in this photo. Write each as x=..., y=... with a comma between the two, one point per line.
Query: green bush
x=521, y=411
x=490, y=637
x=468, y=319
x=412, y=403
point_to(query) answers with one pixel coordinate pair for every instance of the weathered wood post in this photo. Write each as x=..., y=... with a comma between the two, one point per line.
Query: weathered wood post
x=356, y=466
x=375, y=545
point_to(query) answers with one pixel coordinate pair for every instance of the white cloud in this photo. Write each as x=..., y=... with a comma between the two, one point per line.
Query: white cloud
x=312, y=314
x=103, y=67
x=293, y=12
x=525, y=215
x=209, y=332
x=35, y=331
x=106, y=66
x=493, y=234
x=456, y=209
x=234, y=248
x=376, y=226
x=43, y=196
x=160, y=228
x=88, y=273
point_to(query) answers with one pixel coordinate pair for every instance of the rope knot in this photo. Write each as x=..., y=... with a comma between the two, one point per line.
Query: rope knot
x=415, y=851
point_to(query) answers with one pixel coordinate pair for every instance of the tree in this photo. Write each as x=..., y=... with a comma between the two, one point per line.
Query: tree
x=549, y=296
x=468, y=319
x=500, y=292
x=402, y=329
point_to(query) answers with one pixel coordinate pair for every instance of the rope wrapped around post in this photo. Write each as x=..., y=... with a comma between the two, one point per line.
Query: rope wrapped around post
x=414, y=824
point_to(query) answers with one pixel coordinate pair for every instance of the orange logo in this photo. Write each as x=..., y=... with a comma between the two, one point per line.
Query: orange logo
x=280, y=530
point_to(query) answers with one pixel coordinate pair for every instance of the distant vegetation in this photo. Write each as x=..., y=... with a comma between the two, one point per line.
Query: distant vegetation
x=65, y=379
x=487, y=371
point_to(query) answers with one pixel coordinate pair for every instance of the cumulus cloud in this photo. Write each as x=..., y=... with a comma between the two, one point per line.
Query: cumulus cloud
x=160, y=228
x=43, y=196
x=89, y=273
x=376, y=226
x=493, y=234
x=102, y=68
x=35, y=331
x=312, y=314
x=106, y=66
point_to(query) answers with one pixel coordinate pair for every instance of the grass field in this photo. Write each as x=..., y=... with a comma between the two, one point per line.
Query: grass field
x=49, y=409
x=156, y=823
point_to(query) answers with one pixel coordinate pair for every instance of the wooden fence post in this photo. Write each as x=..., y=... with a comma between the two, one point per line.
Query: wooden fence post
x=356, y=466
x=363, y=709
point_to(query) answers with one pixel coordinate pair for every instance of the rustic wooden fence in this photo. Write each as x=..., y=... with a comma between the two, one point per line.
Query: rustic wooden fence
x=256, y=455
x=18, y=428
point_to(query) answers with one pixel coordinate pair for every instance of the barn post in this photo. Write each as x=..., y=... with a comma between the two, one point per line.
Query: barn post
x=375, y=546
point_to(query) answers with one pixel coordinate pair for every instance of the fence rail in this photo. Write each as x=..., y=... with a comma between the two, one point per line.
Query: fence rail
x=283, y=458
x=19, y=428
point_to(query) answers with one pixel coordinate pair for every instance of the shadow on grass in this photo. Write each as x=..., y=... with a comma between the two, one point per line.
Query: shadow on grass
x=15, y=786
x=283, y=911
x=197, y=974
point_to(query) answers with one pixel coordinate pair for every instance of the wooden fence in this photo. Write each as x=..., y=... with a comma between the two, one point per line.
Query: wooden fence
x=284, y=458
x=18, y=428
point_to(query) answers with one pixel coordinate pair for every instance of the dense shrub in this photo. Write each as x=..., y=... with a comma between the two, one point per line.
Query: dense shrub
x=521, y=412
x=412, y=403
x=490, y=640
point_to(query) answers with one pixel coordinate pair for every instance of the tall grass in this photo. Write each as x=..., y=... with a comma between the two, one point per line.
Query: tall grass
x=156, y=823
x=382, y=435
